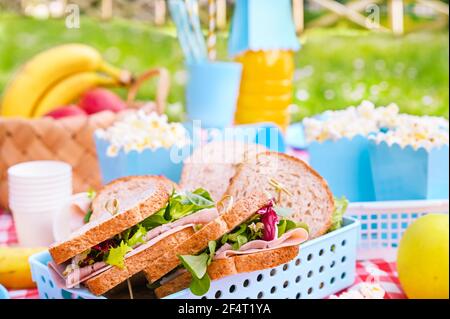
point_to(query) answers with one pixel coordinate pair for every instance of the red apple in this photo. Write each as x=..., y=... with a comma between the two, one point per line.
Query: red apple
x=100, y=99
x=65, y=111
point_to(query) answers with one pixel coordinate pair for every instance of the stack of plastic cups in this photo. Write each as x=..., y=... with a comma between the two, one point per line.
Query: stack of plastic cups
x=37, y=190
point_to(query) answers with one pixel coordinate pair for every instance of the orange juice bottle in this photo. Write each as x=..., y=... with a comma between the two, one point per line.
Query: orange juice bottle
x=266, y=87
x=263, y=40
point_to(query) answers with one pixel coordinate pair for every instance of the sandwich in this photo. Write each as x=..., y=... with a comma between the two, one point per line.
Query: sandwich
x=289, y=203
x=249, y=168
x=306, y=193
x=134, y=220
x=211, y=166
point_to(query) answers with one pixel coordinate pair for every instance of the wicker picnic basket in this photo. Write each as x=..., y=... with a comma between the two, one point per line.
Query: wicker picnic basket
x=68, y=139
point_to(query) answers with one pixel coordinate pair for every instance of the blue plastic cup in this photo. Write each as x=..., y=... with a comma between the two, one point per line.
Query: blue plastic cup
x=212, y=91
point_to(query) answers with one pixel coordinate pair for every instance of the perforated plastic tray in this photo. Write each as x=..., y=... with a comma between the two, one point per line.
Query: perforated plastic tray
x=383, y=223
x=324, y=266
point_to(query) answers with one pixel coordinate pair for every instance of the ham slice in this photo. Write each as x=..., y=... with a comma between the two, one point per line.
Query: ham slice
x=293, y=237
x=79, y=275
x=202, y=217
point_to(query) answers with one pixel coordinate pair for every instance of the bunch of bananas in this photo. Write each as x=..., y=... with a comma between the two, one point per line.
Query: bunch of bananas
x=57, y=77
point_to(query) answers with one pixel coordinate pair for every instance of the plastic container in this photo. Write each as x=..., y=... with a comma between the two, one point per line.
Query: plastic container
x=383, y=223
x=345, y=165
x=266, y=87
x=34, y=229
x=263, y=40
x=324, y=266
x=408, y=174
x=162, y=161
x=3, y=293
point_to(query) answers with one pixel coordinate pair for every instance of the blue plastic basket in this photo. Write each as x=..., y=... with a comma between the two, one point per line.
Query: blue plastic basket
x=3, y=293
x=324, y=266
x=383, y=223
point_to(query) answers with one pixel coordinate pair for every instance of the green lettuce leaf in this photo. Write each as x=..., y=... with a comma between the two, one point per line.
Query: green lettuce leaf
x=240, y=240
x=196, y=265
x=212, y=251
x=116, y=256
x=285, y=225
x=340, y=206
x=303, y=225
x=88, y=215
x=180, y=205
x=200, y=286
x=138, y=236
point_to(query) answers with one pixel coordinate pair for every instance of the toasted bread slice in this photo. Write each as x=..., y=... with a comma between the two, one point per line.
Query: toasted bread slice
x=220, y=268
x=213, y=165
x=311, y=199
x=115, y=190
x=138, y=198
x=135, y=263
x=239, y=213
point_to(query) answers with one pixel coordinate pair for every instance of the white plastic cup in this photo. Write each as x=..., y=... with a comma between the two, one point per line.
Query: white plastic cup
x=40, y=170
x=38, y=196
x=37, y=190
x=34, y=229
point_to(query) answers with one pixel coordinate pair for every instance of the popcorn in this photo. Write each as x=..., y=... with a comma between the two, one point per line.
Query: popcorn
x=380, y=124
x=363, y=291
x=418, y=132
x=140, y=130
x=361, y=120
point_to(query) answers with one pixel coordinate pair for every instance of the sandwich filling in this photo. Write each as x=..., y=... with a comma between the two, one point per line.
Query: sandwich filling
x=178, y=214
x=270, y=228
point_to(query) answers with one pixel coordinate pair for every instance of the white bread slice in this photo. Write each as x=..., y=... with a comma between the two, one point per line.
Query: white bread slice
x=226, y=222
x=213, y=165
x=138, y=197
x=220, y=268
x=311, y=200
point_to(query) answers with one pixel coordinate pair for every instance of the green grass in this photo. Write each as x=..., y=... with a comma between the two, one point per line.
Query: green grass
x=336, y=67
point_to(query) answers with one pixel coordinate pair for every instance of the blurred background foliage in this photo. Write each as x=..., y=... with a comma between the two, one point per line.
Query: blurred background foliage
x=338, y=66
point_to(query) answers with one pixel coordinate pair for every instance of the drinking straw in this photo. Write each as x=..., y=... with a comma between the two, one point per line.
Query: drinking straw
x=211, y=42
x=186, y=27
x=182, y=36
x=192, y=8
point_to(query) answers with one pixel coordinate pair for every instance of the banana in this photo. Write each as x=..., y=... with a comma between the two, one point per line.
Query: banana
x=14, y=267
x=69, y=89
x=46, y=69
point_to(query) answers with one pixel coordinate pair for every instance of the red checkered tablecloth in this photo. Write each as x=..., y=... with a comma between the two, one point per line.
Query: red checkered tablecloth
x=377, y=270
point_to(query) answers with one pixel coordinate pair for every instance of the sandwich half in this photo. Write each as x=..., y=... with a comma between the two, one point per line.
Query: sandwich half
x=136, y=220
x=264, y=240
x=301, y=206
x=293, y=183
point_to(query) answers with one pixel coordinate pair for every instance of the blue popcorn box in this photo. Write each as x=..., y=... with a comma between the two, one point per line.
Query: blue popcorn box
x=161, y=161
x=345, y=165
x=408, y=174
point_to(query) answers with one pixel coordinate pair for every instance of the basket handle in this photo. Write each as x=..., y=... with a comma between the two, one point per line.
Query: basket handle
x=162, y=89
